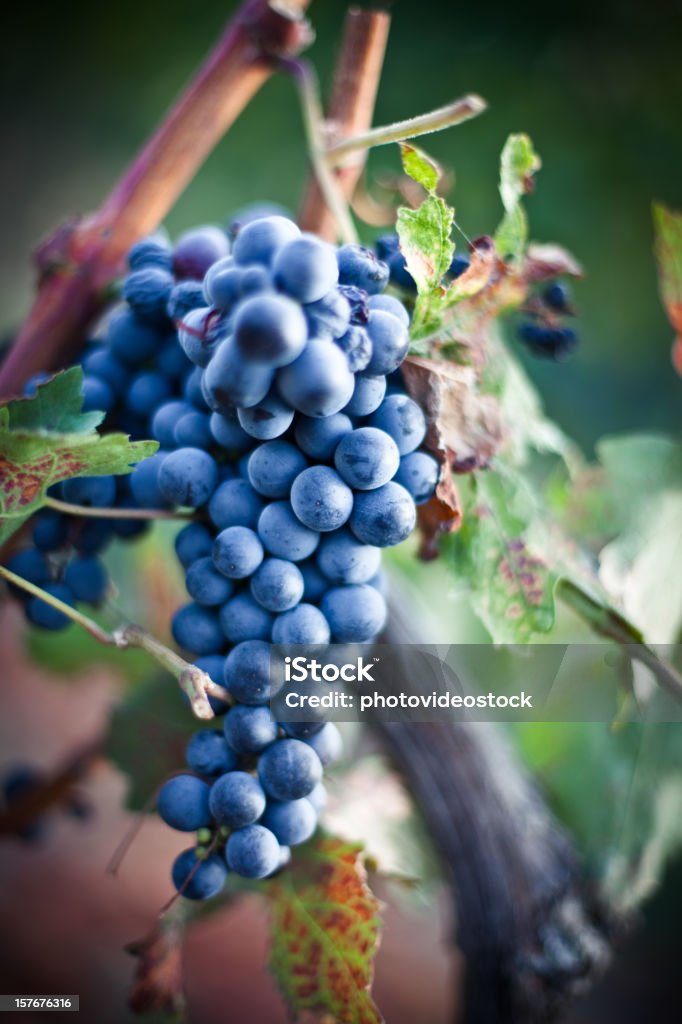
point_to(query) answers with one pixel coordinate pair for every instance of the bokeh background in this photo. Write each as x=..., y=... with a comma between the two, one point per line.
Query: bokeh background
x=599, y=89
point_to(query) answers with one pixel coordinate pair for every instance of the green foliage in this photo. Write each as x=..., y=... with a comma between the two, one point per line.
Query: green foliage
x=148, y=732
x=668, y=228
x=48, y=438
x=325, y=933
x=518, y=164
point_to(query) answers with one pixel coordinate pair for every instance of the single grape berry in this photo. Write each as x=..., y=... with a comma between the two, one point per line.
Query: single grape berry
x=304, y=624
x=361, y=267
x=355, y=613
x=383, y=517
x=253, y=852
x=289, y=769
x=306, y=268
x=188, y=476
x=270, y=329
x=274, y=466
x=402, y=418
x=206, y=585
x=259, y=240
x=183, y=803
x=319, y=382
x=321, y=499
x=249, y=730
x=237, y=552
x=284, y=535
x=418, y=474
x=243, y=618
x=236, y=799
x=248, y=674
x=198, y=878
x=291, y=821
x=367, y=458
x=277, y=585
x=208, y=753
x=197, y=629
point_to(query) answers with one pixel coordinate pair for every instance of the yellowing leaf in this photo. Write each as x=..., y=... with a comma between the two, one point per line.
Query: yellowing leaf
x=325, y=933
x=518, y=163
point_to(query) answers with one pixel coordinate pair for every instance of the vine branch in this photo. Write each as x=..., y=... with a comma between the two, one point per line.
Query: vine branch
x=195, y=683
x=92, y=512
x=81, y=259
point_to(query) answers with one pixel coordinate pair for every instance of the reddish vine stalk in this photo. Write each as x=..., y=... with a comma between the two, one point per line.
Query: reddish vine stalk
x=79, y=261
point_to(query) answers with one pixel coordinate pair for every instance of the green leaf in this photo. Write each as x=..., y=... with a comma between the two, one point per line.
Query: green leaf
x=48, y=438
x=147, y=735
x=668, y=229
x=518, y=163
x=420, y=167
x=325, y=933
x=512, y=587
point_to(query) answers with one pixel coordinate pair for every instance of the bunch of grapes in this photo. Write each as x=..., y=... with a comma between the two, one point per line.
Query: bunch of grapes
x=270, y=377
x=546, y=335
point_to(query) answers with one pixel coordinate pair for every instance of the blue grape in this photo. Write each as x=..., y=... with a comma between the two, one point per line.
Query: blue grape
x=304, y=624
x=255, y=211
x=368, y=395
x=259, y=240
x=50, y=530
x=87, y=579
x=329, y=315
x=291, y=822
x=247, y=672
x=358, y=299
x=228, y=432
x=172, y=361
x=100, y=361
x=196, y=250
x=557, y=296
x=147, y=391
x=283, y=535
x=153, y=251
x=367, y=458
x=236, y=799
x=255, y=279
x=214, y=271
x=242, y=618
x=319, y=382
x=249, y=730
x=235, y=503
x=319, y=438
x=193, y=430
x=91, y=491
x=269, y=419
x=327, y=744
x=185, y=296
x=206, y=585
x=402, y=418
x=389, y=304
x=147, y=292
x=223, y=285
x=277, y=585
x=548, y=342
x=361, y=267
x=304, y=730
x=34, y=382
x=355, y=612
x=357, y=346
x=125, y=527
x=188, y=477
x=274, y=466
x=193, y=542
x=343, y=559
x=21, y=781
x=390, y=342
x=400, y=275
x=270, y=329
x=306, y=268
x=237, y=552
x=418, y=474
x=93, y=536
x=321, y=499
x=207, y=753
x=197, y=629
x=130, y=340
x=314, y=583
x=460, y=263
x=183, y=803
x=31, y=565
x=318, y=798
x=164, y=420
x=230, y=379
x=193, y=390
x=199, y=334
x=253, y=852
x=44, y=615
x=98, y=395
x=198, y=878
x=289, y=769
x=383, y=517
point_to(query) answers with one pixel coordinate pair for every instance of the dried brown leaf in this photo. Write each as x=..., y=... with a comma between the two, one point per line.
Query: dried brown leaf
x=158, y=982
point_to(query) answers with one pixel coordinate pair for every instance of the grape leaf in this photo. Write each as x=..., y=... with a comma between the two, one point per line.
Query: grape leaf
x=518, y=163
x=48, y=438
x=158, y=983
x=420, y=167
x=325, y=933
x=668, y=228
x=147, y=735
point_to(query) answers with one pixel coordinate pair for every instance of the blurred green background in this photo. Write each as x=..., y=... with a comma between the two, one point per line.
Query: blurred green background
x=598, y=86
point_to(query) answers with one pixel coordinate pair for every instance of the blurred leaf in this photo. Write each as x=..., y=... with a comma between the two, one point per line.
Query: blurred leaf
x=420, y=167
x=46, y=439
x=70, y=653
x=518, y=163
x=325, y=933
x=668, y=229
x=147, y=735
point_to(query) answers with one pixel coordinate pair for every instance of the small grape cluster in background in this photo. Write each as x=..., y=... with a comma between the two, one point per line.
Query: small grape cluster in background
x=545, y=334
x=270, y=375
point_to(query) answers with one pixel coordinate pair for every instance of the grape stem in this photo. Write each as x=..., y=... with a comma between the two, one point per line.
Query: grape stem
x=448, y=116
x=306, y=80
x=196, y=684
x=70, y=509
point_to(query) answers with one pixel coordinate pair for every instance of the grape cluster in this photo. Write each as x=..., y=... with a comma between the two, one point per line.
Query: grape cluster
x=546, y=335
x=270, y=376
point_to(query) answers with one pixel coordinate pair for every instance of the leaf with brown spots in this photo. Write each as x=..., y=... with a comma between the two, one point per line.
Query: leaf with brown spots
x=48, y=438
x=158, y=984
x=668, y=227
x=325, y=933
